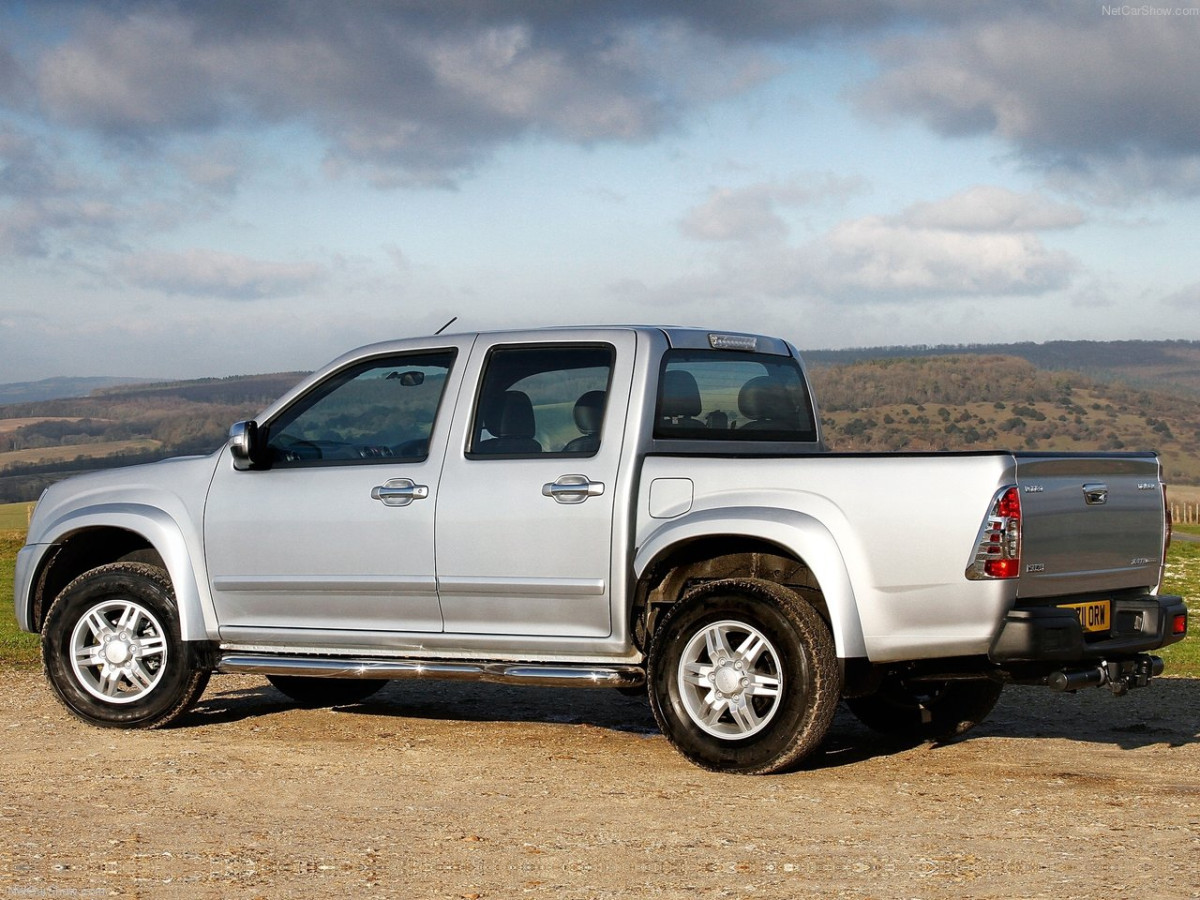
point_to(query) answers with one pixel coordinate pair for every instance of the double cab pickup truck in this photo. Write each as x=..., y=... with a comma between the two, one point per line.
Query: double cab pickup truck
x=642, y=508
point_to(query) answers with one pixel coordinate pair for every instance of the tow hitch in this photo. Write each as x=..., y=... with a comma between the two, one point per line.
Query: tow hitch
x=1119, y=676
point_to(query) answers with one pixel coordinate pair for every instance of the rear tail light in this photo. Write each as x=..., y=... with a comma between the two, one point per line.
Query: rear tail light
x=1179, y=624
x=1167, y=523
x=998, y=546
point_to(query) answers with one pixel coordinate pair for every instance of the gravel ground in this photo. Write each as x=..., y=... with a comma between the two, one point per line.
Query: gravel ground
x=482, y=791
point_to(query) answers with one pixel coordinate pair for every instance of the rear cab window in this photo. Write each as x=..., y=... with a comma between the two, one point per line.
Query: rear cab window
x=732, y=396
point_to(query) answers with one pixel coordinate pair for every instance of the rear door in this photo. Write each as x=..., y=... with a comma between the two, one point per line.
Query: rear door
x=525, y=509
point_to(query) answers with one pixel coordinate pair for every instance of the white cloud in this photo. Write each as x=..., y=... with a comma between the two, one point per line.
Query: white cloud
x=1073, y=89
x=751, y=213
x=206, y=273
x=1187, y=298
x=219, y=169
x=990, y=208
x=881, y=259
x=132, y=76
x=981, y=242
x=405, y=92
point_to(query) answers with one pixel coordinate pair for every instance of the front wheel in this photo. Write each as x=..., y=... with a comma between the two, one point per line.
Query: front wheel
x=743, y=677
x=112, y=650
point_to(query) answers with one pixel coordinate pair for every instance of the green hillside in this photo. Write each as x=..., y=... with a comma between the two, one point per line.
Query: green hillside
x=1168, y=366
x=981, y=402
x=44, y=441
x=929, y=399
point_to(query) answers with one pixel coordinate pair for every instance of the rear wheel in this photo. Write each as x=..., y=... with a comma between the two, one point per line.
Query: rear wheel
x=743, y=677
x=318, y=692
x=927, y=710
x=112, y=649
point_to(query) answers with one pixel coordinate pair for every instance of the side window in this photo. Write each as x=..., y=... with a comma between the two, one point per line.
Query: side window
x=382, y=410
x=728, y=396
x=542, y=400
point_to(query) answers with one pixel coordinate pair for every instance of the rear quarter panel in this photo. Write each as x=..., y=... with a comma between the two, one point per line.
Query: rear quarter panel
x=903, y=525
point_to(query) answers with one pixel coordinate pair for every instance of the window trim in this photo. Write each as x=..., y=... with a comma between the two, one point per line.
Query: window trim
x=473, y=432
x=339, y=378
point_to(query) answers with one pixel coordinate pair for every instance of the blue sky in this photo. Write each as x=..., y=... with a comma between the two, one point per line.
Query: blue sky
x=226, y=187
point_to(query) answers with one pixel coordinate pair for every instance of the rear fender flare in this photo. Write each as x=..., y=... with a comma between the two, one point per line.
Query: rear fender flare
x=795, y=533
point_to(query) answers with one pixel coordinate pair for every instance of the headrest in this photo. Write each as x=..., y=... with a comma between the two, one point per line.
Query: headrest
x=680, y=395
x=589, y=412
x=765, y=397
x=510, y=415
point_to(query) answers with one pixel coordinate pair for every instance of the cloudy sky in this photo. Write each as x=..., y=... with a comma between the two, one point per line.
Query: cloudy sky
x=195, y=189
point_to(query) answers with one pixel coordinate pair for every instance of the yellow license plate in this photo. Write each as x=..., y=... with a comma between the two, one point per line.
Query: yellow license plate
x=1095, y=615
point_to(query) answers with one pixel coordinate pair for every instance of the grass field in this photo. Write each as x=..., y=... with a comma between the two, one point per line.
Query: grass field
x=14, y=516
x=1183, y=578
x=100, y=450
x=17, y=648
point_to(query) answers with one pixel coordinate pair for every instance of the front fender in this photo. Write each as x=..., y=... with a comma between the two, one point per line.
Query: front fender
x=158, y=528
x=796, y=533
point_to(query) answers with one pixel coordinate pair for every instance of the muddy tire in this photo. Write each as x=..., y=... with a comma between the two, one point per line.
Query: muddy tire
x=743, y=677
x=112, y=651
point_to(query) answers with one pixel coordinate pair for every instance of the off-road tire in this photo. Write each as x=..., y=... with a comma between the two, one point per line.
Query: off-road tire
x=112, y=649
x=743, y=677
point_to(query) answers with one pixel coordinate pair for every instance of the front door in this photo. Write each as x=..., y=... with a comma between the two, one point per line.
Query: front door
x=336, y=534
x=525, y=510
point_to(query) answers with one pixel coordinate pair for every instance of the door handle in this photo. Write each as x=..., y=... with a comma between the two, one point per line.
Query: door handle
x=399, y=492
x=572, y=489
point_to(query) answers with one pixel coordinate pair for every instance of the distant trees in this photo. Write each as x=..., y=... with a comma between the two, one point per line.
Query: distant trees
x=944, y=380
x=183, y=418
x=946, y=402
x=978, y=402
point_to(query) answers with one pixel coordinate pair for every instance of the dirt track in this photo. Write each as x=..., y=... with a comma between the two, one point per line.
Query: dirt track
x=480, y=791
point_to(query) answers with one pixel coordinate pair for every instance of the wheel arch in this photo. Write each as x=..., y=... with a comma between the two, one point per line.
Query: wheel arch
x=106, y=534
x=789, y=548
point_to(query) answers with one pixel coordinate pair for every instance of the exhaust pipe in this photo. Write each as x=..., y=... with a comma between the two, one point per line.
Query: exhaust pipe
x=1073, y=681
x=1120, y=676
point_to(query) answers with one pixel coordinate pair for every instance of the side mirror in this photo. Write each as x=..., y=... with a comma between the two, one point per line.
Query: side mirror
x=244, y=445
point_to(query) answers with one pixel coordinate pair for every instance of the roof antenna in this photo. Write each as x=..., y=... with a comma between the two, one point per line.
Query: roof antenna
x=447, y=325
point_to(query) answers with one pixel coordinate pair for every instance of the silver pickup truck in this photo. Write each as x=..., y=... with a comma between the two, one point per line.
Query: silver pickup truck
x=649, y=509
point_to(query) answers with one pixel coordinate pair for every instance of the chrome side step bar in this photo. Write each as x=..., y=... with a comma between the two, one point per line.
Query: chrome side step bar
x=545, y=675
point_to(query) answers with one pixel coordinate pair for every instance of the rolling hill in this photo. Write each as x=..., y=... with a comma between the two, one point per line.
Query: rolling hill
x=44, y=441
x=1128, y=395
x=981, y=402
x=1168, y=366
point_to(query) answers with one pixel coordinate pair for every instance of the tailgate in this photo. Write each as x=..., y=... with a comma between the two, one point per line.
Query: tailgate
x=1089, y=523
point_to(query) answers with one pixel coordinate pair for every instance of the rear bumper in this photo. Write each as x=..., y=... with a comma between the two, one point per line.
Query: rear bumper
x=1048, y=634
